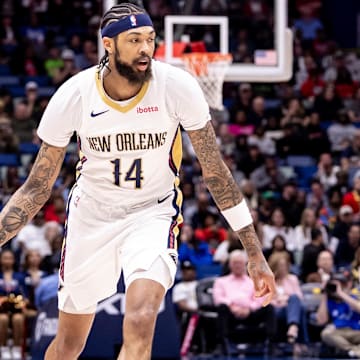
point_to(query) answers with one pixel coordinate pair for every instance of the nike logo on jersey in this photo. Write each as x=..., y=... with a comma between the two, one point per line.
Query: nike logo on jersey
x=93, y=114
x=163, y=199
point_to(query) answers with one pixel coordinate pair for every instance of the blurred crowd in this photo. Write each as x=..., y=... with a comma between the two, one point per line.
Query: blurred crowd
x=293, y=148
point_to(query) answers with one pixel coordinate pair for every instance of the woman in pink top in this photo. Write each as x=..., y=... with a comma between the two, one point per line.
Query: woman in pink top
x=288, y=300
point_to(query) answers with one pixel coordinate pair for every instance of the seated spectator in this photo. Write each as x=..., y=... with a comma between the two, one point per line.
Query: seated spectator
x=33, y=275
x=234, y=294
x=196, y=214
x=339, y=310
x=46, y=290
x=302, y=232
x=12, y=305
x=184, y=295
x=340, y=232
x=268, y=176
x=355, y=267
x=68, y=70
x=53, y=62
x=316, y=197
x=327, y=171
x=278, y=226
x=288, y=299
x=340, y=133
x=9, y=142
x=328, y=213
x=350, y=157
x=224, y=249
x=32, y=236
x=212, y=233
x=353, y=106
x=265, y=143
x=327, y=104
x=22, y=123
x=325, y=268
x=290, y=204
x=347, y=247
x=311, y=253
x=192, y=249
x=316, y=138
x=250, y=159
x=278, y=245
x=352, y=197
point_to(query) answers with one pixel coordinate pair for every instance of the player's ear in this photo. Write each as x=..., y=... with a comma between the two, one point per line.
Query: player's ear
x=108, y=44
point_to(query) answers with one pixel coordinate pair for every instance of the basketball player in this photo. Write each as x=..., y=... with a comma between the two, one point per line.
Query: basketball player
x=124, y=210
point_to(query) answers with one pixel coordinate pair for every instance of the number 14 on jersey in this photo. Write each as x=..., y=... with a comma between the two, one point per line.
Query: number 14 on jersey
x=134, y=173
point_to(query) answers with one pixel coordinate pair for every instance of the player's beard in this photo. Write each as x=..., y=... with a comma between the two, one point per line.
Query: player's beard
x=130, y=72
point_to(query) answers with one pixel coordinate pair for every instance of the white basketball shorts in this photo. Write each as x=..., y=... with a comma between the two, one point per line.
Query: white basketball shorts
x=101, y=240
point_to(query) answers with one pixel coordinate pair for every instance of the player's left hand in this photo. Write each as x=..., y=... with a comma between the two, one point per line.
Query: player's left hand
x=263, y=279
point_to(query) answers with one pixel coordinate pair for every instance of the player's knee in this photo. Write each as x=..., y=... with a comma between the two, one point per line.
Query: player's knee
x=142, y=318
x=70, y=346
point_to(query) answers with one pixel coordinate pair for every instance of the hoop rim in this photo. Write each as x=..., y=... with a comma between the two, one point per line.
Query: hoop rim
x=207, y=57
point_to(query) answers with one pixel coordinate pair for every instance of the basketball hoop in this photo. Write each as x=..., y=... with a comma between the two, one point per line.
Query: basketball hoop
x=209, y=69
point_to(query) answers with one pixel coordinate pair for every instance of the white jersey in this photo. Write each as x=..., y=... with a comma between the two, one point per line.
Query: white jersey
x=130, y=151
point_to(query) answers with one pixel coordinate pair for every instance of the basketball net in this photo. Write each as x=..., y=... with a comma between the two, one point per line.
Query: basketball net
x=209, y=69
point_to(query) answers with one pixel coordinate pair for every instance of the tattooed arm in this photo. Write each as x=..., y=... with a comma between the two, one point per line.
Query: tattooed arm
x=227, y=194
x=32, y=195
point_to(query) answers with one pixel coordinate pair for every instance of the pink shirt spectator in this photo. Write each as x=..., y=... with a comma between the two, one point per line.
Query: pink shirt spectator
x=285, y=287
x=230, y=289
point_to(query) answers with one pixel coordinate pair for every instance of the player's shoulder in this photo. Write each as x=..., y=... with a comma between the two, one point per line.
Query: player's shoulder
x=170, y=71
x=78, y=83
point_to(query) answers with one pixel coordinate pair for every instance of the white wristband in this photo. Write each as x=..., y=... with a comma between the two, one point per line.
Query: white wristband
x=238, y=216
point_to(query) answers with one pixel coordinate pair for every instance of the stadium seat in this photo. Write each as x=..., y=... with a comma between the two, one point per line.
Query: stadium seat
x=40, y=80
x=28, y=148
x=9, y=160
x=204, y=271
x=300, y=160
x=305, y=175
x=9, y=80
x=4, y=70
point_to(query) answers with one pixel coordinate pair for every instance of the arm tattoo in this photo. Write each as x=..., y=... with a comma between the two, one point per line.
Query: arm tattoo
x=250, y=241
x=217, y=176
x=33, y=194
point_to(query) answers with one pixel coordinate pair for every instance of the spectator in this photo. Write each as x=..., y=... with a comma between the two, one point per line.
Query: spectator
x=347, y=247
x=23, y=125
x=46, y=290
x=9, y=142
x=257, y=115
x=54, y=62
x=268, y=176
x=341, y=133
x=311, y=253
x=88, y=57
x=302, y=232
x=308, y=24
x=278, y=245
x=68, y=70
x=353, y=106
x=251, y=160
x=316, y=198
x=288, y=300
x=328, y=104
x=184, y=295
x=33, y=275
x=329, y=212
x=192, y=249
x=212, y=233
x=234, y=294
x=32, y=236
x=342, y=226
x=278, y=226
x=350, y=157
x=325, y=268
x=316, y=139
x=327, y=171
x=266, y=145
x=13, y=301
x=352, y=197
x=340, y=310
x=290, y=204
x=222, y=252
x=195, y=215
